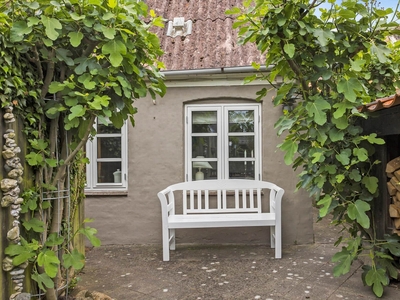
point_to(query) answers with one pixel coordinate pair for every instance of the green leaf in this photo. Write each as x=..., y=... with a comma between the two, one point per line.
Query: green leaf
x=356, y=211
x=20, y=253
x=43, y=280
x=290, y=147
x=347, y=14
x=34, y=224
x=344, y=157
x=316, y=109
x=341, y=108
x=289, y=49
x=90, y=234
x=340, y=123
x=74, y=259
x=115, y=49
x=48, y=259
x=86, y=80
x=34, y=159
x=109, y=32
x=377, y=278
x=339, y=178
x=355, y=175
x=344, y=259
x=371, y=183
x=51, y=162
x=54, y=240
x=112, y=3
x=326, y=203
x=357, y=65
x=56, y=87
x=75, y=38
x=76, y=111
x=39, y=144
x=51, y=24
x=100, y=102
x=361, y=153
x=374, y=140
x=77, y=17
x=18, y=30
x=381, y=52
x=64, y=55
x=392, y=244
x=348, y=88
x=323, y=36
x=335, y=135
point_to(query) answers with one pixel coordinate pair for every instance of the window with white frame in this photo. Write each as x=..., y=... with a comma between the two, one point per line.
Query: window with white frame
x=107, y=153
x=223, y=141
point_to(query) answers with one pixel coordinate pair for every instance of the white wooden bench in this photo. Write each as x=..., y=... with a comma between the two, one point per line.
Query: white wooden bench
x=220, y=203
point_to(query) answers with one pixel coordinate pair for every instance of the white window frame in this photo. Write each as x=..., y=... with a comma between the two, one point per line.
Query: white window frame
x=91, y=168
x=223, y=138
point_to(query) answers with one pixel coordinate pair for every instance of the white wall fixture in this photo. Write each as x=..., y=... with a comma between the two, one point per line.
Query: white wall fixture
x=178, y=27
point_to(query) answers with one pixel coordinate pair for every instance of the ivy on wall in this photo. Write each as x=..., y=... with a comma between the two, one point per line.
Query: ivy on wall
x=65, y=63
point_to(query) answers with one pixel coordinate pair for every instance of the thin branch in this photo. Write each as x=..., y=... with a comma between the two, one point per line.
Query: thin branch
x=49, y=74
x=61, y=171
x=36, y=61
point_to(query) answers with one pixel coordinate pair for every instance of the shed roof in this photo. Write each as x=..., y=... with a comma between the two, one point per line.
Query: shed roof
x=381, y=103
x=213, y=42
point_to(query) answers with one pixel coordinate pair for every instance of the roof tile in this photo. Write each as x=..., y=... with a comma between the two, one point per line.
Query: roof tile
x=212, y=44
x=381, y=103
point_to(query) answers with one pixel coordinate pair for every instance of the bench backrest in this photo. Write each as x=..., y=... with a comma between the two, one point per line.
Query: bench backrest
x=222, y=196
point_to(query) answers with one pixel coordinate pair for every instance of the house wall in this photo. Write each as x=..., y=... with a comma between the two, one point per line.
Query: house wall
x=156, y=160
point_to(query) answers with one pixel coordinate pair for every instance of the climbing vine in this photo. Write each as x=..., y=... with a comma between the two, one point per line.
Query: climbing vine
x=64, y=64
x=329, y=61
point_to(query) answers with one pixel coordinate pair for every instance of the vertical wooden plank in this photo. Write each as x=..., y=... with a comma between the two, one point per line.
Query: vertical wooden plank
x=237, y=199
x=244, y=200
x=219, y=199
x=191, y=204
x=224, y=199
x=206, y=200
x=259, y=199
x=199, y=206
x=184, y=204
x=251, y=192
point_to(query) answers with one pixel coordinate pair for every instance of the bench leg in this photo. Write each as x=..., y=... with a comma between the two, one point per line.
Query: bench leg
x=165, y=242
x=172, y=239
x=272, y=236
x=278, y=241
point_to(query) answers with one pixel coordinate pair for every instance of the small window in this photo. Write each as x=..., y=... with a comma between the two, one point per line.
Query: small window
x=223, y=141
x=107, y=153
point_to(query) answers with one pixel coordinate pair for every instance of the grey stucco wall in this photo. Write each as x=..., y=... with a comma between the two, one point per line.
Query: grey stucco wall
x=156, y=160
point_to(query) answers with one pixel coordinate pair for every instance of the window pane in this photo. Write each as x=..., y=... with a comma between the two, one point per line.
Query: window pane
x=109, y=172
x=203, y=170
x=109, y=147
x=204, y=121
x=241, y=170
x=204, y=146
x=101, y=128
x=241, y=146
x=241, y=120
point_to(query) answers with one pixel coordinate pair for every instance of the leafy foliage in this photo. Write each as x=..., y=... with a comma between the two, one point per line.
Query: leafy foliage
x=331, y=63
x=65, y=63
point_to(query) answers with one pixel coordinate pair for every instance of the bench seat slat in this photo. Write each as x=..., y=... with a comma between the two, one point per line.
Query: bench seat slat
x=221, y=220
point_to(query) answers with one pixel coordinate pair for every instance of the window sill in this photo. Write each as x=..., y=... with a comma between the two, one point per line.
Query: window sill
x=91, y=193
